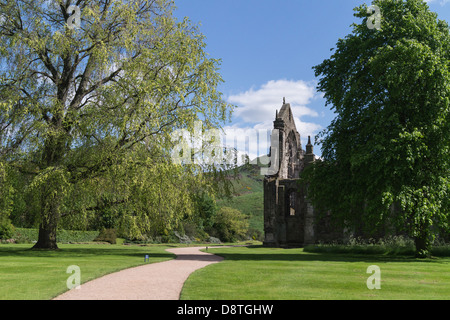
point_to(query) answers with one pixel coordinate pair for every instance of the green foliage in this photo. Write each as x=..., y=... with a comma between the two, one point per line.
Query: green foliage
x=6, y=229
x=27, y=235
x=230, y=224
x=395, y=245
x=250, y=204
x=392, y=246
x=107, y=235
x=388, y=145
x=7, y=192
x=205, y=211
x=89, y=113
x=248, y=198
x=74, y=236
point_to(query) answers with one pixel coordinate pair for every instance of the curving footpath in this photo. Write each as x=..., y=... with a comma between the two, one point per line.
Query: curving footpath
x=156, y=281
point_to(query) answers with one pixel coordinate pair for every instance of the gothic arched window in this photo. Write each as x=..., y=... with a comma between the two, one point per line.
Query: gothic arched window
x=292, y=200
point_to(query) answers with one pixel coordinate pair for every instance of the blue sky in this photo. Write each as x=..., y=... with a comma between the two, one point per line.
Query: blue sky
x=268, y=49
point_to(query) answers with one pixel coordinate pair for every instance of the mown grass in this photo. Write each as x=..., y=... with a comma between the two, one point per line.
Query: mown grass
x=256, y=273
x=370, y=249
x=41, y=275
x=247, y=273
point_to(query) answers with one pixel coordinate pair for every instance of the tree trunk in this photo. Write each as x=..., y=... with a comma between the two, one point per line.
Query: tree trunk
x=49, y=224
x=47, y=235
x=50, y=196
x=423, y=242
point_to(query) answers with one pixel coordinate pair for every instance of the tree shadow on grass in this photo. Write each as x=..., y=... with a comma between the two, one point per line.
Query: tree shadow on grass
x=153, y=252
x=260, y=253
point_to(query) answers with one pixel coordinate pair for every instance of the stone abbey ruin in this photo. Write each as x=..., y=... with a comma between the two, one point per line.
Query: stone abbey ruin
x=289, y=218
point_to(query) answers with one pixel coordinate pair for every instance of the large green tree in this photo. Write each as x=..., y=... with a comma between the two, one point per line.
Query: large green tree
x=81, y=100
x=386, y=153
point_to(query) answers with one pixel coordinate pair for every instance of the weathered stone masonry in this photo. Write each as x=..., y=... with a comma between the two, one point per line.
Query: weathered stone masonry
x=290, y=220
x=288, y=216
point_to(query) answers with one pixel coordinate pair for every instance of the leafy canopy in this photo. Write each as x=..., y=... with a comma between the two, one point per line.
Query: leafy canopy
x=389, y=141
x=87, y=112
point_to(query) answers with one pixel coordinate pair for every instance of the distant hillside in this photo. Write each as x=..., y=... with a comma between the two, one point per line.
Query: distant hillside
x=248, y=196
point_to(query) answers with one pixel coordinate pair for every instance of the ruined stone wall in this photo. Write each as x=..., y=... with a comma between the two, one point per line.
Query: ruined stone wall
x=288, y=217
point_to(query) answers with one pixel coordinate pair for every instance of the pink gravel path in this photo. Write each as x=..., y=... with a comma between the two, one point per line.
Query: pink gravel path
x=156, y=281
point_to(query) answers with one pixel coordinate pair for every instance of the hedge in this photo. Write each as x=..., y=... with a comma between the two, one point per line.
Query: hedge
x=23, y=235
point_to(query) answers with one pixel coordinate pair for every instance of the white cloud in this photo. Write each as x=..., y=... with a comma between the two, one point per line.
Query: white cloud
x=307, y=129
x=441, y=2
x=250, y=132
x=259, y=105
x=255, y=112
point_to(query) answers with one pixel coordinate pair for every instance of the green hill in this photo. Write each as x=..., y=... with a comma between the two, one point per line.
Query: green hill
x=248, y=197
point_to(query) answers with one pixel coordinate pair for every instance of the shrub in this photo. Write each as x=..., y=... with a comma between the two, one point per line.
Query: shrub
x=441, y=250
x=391, y=245
x=214, y=240
x=255, y=234
x=107, y=235
x=230, y=224
x=183, y=238
x=6, y=229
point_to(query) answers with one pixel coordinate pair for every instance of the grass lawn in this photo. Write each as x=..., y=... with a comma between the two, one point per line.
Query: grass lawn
x=41, y=275
x=258, y=273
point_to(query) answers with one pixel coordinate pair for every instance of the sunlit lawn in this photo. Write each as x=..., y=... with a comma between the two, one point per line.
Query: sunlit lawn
x=28, y=275
x=253, y=273
x=289, y=274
